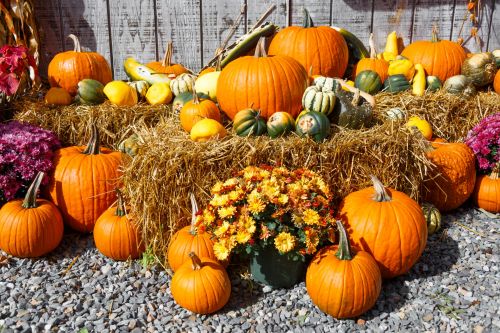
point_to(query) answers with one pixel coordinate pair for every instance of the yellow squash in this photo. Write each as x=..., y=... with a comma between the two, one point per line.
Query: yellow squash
x=159, y=93
x=121, y=94
x=391, y=47
x=422, y=125
x=402, y=66
x=207, y=129
x=419, y=81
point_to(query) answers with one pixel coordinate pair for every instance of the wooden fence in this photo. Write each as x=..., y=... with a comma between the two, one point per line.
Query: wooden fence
x=141, y=28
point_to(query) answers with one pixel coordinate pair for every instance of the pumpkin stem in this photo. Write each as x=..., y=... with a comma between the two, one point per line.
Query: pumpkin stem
x=373, y=51
x=260, y=49
x=197, y=264
x=77, y=47
x=120, y=207
x=356, y=97
x=30, y=198
x=495, y=173
x=194, y=211
x=308, y=22
x=167, y=58
x=196, y=100
x=434, y=34
x=381, y=194
x=93, y=147
x=218, y=62
x=344, y=250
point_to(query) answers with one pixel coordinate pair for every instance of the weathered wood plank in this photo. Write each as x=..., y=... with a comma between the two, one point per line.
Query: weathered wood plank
x=355, y=16
x=255, y=8
x=392, y=16
x=485, y=17
x=88, y=20
x=320, y=11
x=429, y=13
x=218, y=17
x=179, y=21
x=48, y=18
x=132, y=32
x=494, y=34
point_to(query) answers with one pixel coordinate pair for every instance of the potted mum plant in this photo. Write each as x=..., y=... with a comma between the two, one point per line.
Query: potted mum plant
x=277, y=216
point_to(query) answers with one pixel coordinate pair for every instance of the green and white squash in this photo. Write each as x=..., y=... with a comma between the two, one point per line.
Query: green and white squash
x=325, y=83
x=182, y=83
x=139, y=72
x=90, y=92
x=432, y=217
x=480, y=68
x=141, y=87
x=352, y=110
x=314, y=125
x=433, y=83
x=496, y=56
x=249, y=122
x=395, y=114
x=314, y=99
x=185, y=97
x=368, y=81
x=396, y=83
x=130, y=145
x=279, y=124
x=459, y=85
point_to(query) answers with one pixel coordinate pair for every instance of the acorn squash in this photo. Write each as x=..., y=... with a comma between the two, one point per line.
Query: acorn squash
x=368, y=81
x=396, y=83
x=313, y=124
x=248, y=122
x=90, y=92
x=280, y=123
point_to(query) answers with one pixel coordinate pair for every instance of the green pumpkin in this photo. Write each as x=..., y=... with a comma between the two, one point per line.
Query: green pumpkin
x=351, y=111
x=459, y=85
x=432, y=217
x=496, y=55
x=480, y=68
x=368, y=81
x=185, y=97
x=326, y=83
x=433, y=83
x=313, y=124
x=90, y=92
x=248, y=122
x=130, y=145
x=141, y=87
x=320, y=101
x=396, y=83
x=279, y=124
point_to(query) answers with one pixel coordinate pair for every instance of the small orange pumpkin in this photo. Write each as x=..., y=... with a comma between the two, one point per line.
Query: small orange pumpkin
x=196, y=110
x=380, y=66
x=486, y=193
x=116, y=234
x=166, y=66
x=31, y=227
x=496, y=82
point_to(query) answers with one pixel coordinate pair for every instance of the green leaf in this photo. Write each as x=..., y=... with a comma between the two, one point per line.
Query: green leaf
x=83, y=330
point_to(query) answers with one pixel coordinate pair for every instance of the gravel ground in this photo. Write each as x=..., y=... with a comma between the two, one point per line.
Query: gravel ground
x=454, y=287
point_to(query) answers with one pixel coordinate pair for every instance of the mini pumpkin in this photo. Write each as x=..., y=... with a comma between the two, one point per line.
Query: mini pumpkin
x=316, y=99
x=496, y=83
x=380, y=66
x=196, y=110
x=432, y=217
x=279, y=124
x=58, y=96
x=486, y=193
x=166, y=66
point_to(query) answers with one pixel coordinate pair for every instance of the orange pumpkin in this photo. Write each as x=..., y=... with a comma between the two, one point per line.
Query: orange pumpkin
x=486, y=193
x=201, y=285
x=380, y=66
x=341, y=281
x=83, y=182
x=166, y=66
x=188, y=240
x=196, y=110
x=31, y=227
x=323, y=48
x=206, y=71
x=496, y=82
x=388, y=224
x=68, y=68
x=450, y=183
x=441, y=58
x=272, y=84
x=116, y=234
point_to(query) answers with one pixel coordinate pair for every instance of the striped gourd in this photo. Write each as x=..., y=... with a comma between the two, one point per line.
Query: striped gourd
x=325, y=83
x=182, y=83
x=315, y=99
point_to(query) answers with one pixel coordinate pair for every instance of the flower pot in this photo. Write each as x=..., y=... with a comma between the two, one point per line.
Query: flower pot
x=269, y=267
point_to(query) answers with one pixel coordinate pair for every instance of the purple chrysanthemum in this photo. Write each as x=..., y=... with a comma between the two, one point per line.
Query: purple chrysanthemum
x=484, y=140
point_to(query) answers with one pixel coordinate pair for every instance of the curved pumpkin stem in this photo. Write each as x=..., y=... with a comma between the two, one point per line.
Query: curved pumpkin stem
x=308, y=22
x=260, y=49
x=218, y=67
x=369, y=98
x=30, y=198
x=77, y=47
x=194, y=211
x=93, y=147
x=434, y=34
x=356, y=97
x=197, y=264
x=344, y=250
x=196, y=100
x=381, y=194
x=120, y=207
x=167, y=58
x=495, y=173
x=373, y=50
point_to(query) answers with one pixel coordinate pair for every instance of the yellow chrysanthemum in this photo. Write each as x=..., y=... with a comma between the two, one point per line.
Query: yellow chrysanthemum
x=225, y=212
x=217, y=188
x=256, y=205
x=208, y=217
x=284, y=242
x=270, y=189
x=219, y=200
x=222, y=229
x=221, y=251
x=249, y=224
x=236, y=195
x=243, y=236
x=283, y=199
x=311, y=217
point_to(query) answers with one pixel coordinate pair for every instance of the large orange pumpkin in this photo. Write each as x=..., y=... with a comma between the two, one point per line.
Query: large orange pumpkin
x=116, y=233
x=68, y=68
x=84, y=180
x=496, y=82
x=450, y=183
x=196, y=110
x=31, y=227
x=486, y=193
x=380, y=66
x=441, y=58
x=166, y=66
x=271, y=84
x=341, y=281
x=388, y=224
x=322, y=48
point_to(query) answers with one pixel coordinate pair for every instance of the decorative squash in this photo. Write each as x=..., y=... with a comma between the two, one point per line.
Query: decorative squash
x=441, y=58
x=450, y=183
x=388, y=224
x=496, y=56
x=422, y=125
x=313, y=124
x=496, y=83
x=271, y=83
x=248, y=122
x=182, y=83
x=395, y=114
x=323, y=48
x=206, y=70
x=141, y=87
x=486, y=193
x=459, y=85
x=31, y=227
x=83, y=183
x=325, y=83
x=342, y=281
x=396, y=83
x=391, y=50
x=90, y=92
x=196, y=110
x=208, y=84
x=368, y=81
x=432, y=217
x=201, y=285
x=279, y=124
x=185, y=97
x=166, y=66
x=139, y=72
x=480, y=68
x=207, y=129
x=351, y=110
x=316, y=99
x=121, y=94
x=419, y=81
x=380, y=66
x=433, y=83
x=189, y=239
x=402, y=66
x=159, y=93
x=116, y=234
x=357, y=51
x=58, y=96
x=68, y=68
x=130, y=145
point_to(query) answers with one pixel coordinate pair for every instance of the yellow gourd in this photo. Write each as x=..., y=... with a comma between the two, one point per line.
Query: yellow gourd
x=402, y=66
x=159, y=93
x=348, y=82
x=207, y=84
x=391, y=47
x=419, y=81
x=423, y=126
x=120, y=93
x=207, y=129
x=58, y=96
